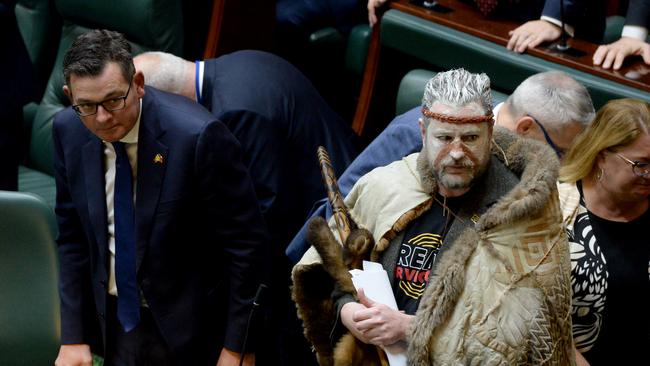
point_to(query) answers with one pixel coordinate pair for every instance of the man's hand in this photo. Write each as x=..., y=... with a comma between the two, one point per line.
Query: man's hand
x=616, y=52
x=74, y=355
x=373, y=5
x=375, y=323
x=347, y=314
x=531, y=34
x=230, y=358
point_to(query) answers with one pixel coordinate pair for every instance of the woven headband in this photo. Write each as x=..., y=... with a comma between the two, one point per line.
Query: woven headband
x=456, y=119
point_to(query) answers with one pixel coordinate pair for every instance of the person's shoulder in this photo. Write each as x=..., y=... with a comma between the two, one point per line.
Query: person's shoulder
x=399, y=172
x=250, y=55
x=405, y=125
x=67, y=123
x=182, y=120
x=172, y=107
x=261, y=66
x=64, y=117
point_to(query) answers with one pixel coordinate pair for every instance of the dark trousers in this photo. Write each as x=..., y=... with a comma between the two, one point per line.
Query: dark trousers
x=142, y=346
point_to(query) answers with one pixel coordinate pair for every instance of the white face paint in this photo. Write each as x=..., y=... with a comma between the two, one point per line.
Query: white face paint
x=457, y=153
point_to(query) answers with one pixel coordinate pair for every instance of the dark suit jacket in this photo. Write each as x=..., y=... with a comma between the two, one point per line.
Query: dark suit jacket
x=586, y=16
x=199, y=232
x=638, y=13
x=280, y=120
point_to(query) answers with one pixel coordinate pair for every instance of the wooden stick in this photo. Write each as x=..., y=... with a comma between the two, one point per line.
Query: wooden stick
x=344, y=223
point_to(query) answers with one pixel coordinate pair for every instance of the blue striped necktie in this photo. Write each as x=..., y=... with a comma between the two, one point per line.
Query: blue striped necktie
x=128, y=299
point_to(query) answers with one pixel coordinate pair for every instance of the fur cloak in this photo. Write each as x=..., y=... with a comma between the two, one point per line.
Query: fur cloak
x=499, y=292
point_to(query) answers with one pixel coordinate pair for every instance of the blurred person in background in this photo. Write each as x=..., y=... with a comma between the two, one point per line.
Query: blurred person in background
x=604, y=195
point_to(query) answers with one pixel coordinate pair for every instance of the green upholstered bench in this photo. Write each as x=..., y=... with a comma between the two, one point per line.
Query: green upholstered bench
x=38, y=183
x=356, y=45
x=614, y=28
x=444, y=48
x=29, y=309
x=356, y=50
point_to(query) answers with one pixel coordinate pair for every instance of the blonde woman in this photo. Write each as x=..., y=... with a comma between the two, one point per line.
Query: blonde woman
x=604, y=195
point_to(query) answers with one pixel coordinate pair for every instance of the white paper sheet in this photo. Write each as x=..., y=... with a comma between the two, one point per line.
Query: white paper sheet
x=373, y=279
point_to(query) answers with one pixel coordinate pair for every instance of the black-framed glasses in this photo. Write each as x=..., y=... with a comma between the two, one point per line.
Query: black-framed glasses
x=111, y=104
x=639, y=168
x=552, y=144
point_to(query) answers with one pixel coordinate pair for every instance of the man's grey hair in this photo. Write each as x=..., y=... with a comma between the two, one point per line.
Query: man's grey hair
x=162, y=70
x=554, y=98
x=458, y=88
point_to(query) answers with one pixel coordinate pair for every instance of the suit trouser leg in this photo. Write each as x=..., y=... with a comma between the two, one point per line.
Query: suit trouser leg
x=142, y=346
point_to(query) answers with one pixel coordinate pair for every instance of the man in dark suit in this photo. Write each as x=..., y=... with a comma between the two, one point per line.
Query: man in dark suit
x=587, y=19
x=280, y=120
x=582, y=18
x=633, y=41
x=158, y=221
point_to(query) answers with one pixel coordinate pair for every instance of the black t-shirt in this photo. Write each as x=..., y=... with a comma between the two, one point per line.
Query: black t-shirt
x=422, y=241
x=624, y=336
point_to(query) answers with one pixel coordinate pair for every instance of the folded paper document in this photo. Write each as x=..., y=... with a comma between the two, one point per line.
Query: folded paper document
x=373, y=279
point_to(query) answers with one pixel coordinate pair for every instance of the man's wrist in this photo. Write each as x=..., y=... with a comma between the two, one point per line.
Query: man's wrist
x=556, y=22
x=635, y=31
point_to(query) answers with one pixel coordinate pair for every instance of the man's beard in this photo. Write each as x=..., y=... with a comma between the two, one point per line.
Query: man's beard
x=455, y=181
x=472, y=167
x=432, y=169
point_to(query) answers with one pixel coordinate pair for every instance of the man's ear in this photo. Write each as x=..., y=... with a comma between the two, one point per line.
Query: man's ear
x=524, y=126
x=423, y=130
x=68, y=93
x=138, y=79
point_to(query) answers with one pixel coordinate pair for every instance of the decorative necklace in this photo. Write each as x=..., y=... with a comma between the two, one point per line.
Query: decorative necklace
x=446, y=212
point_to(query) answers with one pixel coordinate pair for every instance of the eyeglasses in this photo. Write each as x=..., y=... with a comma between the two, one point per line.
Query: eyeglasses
x=548, y=139
x=111, y=104
x=639, y=168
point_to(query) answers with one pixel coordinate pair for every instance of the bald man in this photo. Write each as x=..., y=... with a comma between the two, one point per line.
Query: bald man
x=280, y=120
x=550, y=107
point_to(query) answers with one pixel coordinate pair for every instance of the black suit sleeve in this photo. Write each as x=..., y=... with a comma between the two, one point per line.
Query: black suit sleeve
x=586, y=16
x=263, y=149
x=226, y=190
x=572, y=10
x=638, y=13
x=77, y=304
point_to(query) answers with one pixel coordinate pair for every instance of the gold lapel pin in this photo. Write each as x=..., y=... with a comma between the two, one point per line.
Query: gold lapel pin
x=158, y=159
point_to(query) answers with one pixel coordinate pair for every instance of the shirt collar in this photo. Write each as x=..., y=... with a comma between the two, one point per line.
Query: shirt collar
x=198, y=82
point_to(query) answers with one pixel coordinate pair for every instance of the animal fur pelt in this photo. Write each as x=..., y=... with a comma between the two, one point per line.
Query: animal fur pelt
x=315, y=305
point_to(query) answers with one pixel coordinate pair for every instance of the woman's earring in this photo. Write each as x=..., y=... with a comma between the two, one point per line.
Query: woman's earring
x=599, y=175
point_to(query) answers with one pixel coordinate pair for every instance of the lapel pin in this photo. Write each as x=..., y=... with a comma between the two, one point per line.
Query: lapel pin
x=158, y=159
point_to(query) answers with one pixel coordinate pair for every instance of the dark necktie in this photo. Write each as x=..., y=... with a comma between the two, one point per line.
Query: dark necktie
x=486, y=6
x=128, y=297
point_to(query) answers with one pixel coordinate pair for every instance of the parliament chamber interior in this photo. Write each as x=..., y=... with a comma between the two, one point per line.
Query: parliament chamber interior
x=355, y=79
